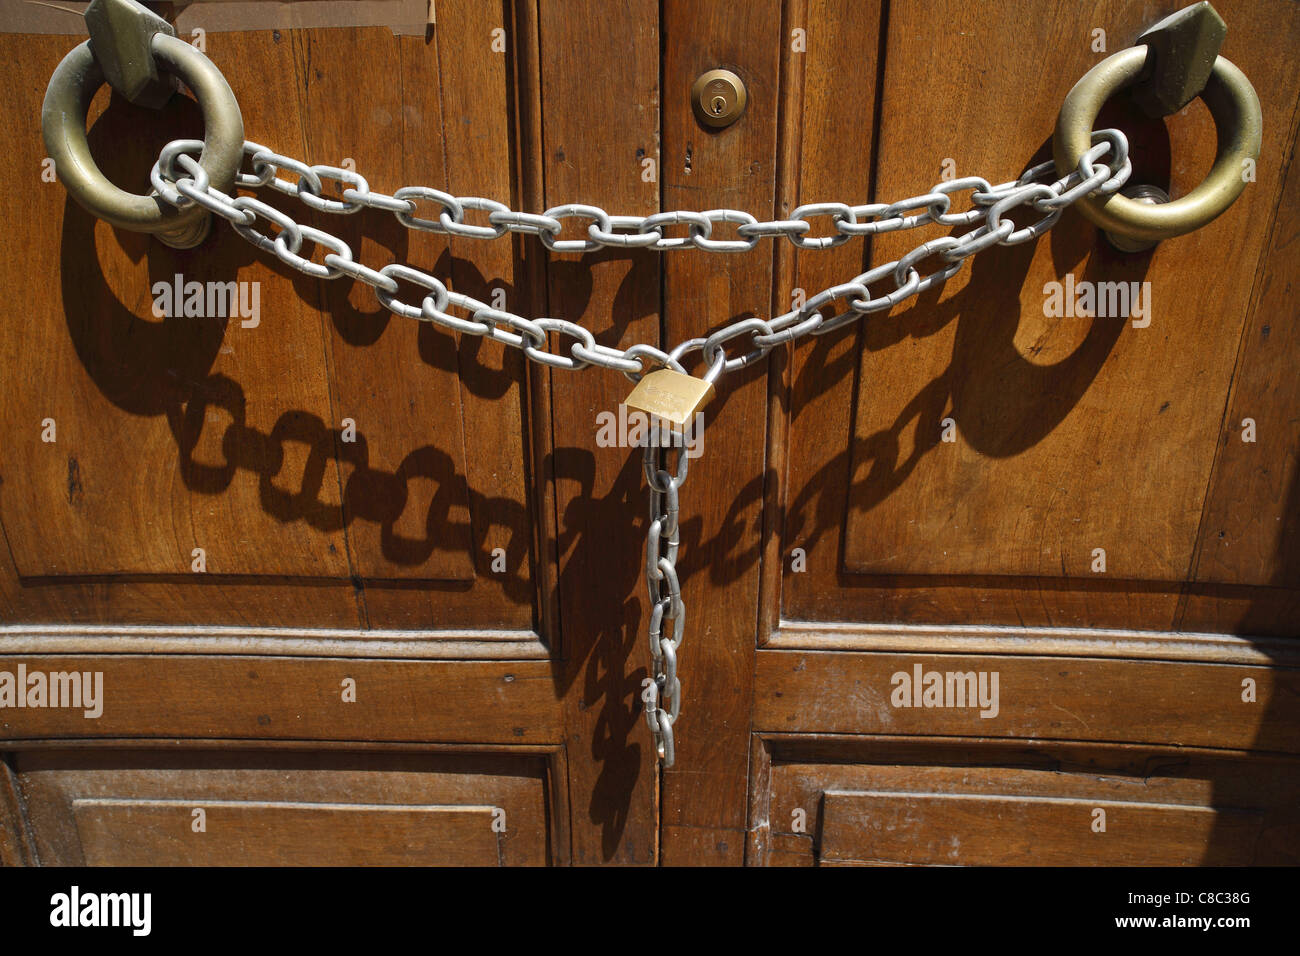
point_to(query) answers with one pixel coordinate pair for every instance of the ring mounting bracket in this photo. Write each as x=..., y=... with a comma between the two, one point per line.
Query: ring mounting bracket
x=120, y=36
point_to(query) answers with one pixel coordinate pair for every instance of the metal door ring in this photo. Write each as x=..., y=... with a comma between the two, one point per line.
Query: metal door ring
x=1235, y=108
x=63, y=124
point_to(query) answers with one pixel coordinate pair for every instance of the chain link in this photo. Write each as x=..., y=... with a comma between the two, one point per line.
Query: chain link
x=851, y=300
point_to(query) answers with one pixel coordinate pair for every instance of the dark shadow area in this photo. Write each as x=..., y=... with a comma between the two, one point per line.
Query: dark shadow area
x=164, y=367
x=1006, y=403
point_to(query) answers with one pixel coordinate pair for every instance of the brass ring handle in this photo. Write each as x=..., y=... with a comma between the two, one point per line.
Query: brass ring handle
x=1235, y=108
x=63, y=124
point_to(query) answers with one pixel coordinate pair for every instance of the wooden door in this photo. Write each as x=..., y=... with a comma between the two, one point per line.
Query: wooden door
x=364, y=591
x=1055, y=515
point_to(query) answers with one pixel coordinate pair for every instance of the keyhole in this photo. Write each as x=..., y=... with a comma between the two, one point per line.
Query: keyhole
x=718, y=98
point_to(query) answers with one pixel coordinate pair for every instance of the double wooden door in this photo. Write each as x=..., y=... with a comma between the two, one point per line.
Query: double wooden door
x=355, y=589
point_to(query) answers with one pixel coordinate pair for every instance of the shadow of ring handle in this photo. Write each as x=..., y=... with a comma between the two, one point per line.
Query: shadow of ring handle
x=1235, y=108
x=63, y=123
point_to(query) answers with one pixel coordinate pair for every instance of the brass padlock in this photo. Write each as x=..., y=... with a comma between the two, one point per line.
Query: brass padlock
x=672, y=397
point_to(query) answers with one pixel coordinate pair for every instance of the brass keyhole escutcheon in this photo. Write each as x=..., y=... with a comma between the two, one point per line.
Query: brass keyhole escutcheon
x=719, y=97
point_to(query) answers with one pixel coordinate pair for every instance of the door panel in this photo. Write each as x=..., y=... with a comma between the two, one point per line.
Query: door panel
x=1060, y=421
x=935, y=829
x=999, y=526
x=136, y=808
x=237, y=438
x=917, y=801
x=135, y=394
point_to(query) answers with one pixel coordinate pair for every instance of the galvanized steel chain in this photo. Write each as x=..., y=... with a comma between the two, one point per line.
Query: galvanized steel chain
x=1036, y=188
x=662, y=693
x=663, y=690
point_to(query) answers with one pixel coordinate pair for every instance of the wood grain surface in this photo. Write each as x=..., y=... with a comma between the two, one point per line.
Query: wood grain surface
x=1061, y=424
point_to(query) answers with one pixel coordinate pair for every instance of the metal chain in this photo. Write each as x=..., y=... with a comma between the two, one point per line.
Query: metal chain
x=663, y=690
x=992, y=204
